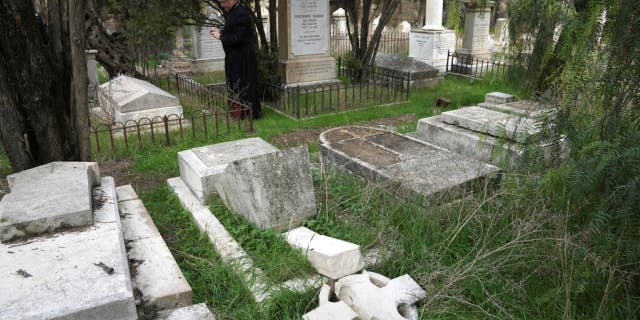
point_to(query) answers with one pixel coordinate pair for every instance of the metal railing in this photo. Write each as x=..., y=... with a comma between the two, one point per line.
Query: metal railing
x=391, y=42
x=303, y=101
x=467, y=65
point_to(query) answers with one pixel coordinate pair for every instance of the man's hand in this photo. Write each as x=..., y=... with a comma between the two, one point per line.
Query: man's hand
x=215, y=32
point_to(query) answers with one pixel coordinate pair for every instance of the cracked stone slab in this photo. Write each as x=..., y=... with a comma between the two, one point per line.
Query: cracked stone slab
x=333, y=258
x=80, y=273
x=47, y=198
x=404, y=163
x=201, y=168
x=494, y=123
x=272, y=190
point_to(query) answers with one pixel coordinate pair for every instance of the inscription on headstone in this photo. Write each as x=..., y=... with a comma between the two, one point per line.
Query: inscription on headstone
x=309, y=27
x=210, y=48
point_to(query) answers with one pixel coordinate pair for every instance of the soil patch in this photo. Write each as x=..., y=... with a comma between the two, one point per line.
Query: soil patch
x=305, y=136
x=120, y=170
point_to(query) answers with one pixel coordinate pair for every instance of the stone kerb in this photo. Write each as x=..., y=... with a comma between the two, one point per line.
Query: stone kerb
x=333, y=258
x=272, y=190
x=494, y=123
x=409, y=167
x=201, y=168
x=47, y=198
x=77, y=274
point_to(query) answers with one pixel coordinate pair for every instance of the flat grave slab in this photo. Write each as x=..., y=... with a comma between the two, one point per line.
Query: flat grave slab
x=201, y=168
x=522, y=108
x=495, y=123
x=198, y=311
x=498, y=98
x=77, y=274
x=47, y=198
x=407, y=163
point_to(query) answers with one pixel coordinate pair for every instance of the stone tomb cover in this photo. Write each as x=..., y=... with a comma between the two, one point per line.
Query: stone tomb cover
x=136, y=99
x=406, y=163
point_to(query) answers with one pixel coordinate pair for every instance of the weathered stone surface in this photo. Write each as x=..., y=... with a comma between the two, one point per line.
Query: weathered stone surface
x=157, y=276
x=78, y=274
x=126, y=193
x=522, y=108
x=418, y=69
x=133, y=94
x=495, y=123
x=498, y=98
x=476, y=145
x=198, y=311
x=432, y=46
x=405, y=163
x=331, y=257
x=475, y=39
x=47, y=198
x=373, y=296
x=201, y=168
x=146, y=116
x=272, y=190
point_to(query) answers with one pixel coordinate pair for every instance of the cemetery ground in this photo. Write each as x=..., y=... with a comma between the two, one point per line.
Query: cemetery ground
x=499, y=253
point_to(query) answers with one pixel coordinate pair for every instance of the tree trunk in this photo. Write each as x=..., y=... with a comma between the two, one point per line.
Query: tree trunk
x=37, y=111
x=273, y=24
x=113, y=53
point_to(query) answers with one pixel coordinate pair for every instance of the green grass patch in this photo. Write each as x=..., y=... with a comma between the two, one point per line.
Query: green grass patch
x=268, y=249
x=209, y=77
x=5, y=166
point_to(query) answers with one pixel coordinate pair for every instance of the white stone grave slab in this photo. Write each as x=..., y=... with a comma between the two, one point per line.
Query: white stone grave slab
x=157, y=276
x=47, y=198
x=201, y=168
x=135, y=99
x=78, y=274
x=272, y=190
x=495, y=123
x=333, y=258
x=408, y=166
x=373, y=296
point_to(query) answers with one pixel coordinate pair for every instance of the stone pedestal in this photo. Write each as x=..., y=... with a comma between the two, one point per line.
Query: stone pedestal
x=92, y=72
x=431, y=46
x=475, y=40
x=304, y=55
x=433, y=15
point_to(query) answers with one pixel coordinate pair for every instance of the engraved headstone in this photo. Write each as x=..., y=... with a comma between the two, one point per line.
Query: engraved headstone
x=475, y=40
x=432, y=43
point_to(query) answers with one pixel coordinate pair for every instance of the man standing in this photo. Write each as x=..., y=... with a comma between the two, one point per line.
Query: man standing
x=239, y=43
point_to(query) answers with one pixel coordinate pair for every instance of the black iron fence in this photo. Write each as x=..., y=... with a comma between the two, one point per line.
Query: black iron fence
x=212, y=114
x=465, y=64
x=375, y=88
x=391, y=42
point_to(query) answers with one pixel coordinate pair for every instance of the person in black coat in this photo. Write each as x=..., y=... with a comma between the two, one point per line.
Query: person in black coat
x=239, y=43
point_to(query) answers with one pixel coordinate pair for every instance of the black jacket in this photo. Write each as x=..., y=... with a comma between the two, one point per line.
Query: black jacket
x=239, y=43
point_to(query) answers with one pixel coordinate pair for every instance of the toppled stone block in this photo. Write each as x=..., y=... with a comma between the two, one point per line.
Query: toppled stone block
x=373, y=296
x=156, y=275
x=330, y=257
x=77, y=274
x=272, y=190
x=47, y=198
x=201, y=168
x=195, y=312
x=498, y=98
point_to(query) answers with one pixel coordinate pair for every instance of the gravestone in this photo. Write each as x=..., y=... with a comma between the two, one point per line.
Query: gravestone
x=476, y=40
x=92, y=72
x=125, y=98
x=304, y=51
x=202, y=167
x=208, y=52
x=81, y=273
x=433, y=42
x=408, y=165
x=340, y=21
x=272, y=190
x=423, y=75
x=47, y=198
x=404, y=26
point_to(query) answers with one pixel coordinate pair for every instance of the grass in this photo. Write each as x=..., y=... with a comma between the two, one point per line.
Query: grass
x=268, y=249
